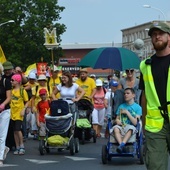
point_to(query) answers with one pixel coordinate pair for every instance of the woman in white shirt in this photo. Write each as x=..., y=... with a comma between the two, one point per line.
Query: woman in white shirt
x=68, y=89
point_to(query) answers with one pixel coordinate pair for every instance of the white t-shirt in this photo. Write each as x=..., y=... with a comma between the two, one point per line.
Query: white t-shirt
x=108, y=97
x=68, y=92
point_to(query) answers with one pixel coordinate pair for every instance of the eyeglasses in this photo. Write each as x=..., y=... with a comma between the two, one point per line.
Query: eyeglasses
x=130, y=71
x=12, y=80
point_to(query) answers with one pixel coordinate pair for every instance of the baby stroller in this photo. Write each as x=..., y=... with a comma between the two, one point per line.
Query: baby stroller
x=60, y=126
x=84, y=130
x=134, y=146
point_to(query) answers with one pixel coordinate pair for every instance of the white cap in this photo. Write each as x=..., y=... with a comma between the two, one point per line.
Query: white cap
x=42, y=77
x=32, y=76
x=99, y=82
x=92, y=75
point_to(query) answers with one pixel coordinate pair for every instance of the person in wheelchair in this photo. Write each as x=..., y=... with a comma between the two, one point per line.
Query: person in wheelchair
x=126, y=119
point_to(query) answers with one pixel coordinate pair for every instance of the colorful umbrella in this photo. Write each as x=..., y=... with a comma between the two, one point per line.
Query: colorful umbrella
x=110, y=58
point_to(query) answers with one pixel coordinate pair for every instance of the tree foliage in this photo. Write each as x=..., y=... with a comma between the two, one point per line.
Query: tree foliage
x=22, y=41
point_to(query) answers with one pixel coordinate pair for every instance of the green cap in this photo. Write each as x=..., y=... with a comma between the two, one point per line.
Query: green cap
x=7, y=65
x=159, y=25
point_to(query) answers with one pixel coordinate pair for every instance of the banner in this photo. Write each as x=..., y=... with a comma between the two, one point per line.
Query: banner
x=41, y=68
x=2, y=56
x=31, y=68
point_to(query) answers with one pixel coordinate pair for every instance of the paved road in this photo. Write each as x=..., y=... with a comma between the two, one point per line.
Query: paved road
x=89, y=158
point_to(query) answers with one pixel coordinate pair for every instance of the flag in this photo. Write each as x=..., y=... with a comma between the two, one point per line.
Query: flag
x=2, y=56
x=41, y=68
x=31, y=68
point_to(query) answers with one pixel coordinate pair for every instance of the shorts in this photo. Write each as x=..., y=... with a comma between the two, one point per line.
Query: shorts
x=124, y=129
x=42, y=129
x=17, y=125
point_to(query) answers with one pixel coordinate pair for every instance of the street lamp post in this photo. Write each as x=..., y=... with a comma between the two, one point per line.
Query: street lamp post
x=149, y=6
x=10, y=21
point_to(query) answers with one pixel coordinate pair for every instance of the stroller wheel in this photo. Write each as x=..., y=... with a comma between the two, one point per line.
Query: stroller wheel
x=72, y=146
x=94, y=136
x=42, y=148
x=77, y=148
x=83, y=137
x=104, y=154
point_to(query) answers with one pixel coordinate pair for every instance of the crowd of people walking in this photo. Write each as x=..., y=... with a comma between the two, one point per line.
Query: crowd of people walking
x=24, y=101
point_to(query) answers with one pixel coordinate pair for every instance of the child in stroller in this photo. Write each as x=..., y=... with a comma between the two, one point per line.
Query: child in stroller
x=60, y=128
x=84, y=130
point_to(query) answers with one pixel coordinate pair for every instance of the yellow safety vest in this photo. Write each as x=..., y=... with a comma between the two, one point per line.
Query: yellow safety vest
x=154, y=119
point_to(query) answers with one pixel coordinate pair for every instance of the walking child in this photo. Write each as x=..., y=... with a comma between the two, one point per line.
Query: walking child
x=19, y=103
x=43, y=107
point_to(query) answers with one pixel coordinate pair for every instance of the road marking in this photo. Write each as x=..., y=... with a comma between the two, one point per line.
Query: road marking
x=7, y=165
x=41, y=161
x=79, y=158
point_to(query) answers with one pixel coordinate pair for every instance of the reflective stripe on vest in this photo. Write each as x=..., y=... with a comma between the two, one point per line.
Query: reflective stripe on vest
x=154, y=119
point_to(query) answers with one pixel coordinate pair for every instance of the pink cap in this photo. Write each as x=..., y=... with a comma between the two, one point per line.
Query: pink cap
x=16, y=77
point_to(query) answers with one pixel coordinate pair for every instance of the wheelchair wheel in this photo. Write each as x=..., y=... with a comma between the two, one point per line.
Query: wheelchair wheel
x=104, y=154
x=141, y=154
x=42, y=148
x=72, y=146
x=77, y=148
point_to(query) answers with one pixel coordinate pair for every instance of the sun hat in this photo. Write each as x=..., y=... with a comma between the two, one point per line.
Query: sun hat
x=113, y=83
x=83, y=70
x=16, y=77
x=42, y=77
x=99, y=82
x=32, y=76
x=7, y=65
x=159, y=25
x=42, y=91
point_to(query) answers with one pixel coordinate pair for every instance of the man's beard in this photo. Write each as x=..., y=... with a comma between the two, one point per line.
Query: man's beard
x=83, y=78
x=159, y=46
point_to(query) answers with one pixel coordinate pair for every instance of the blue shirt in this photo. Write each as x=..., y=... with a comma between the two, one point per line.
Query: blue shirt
x=134, y=109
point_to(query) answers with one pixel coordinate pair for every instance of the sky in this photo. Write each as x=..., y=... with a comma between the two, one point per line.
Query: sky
x=101, y=21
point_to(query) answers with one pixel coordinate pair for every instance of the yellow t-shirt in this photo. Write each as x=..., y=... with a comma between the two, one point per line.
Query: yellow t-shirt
x=54, y=82
x=19, y=96
x=88, y=85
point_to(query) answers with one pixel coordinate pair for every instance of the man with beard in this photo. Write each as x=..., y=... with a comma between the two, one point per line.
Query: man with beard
x=155, y=100
x=87, y=83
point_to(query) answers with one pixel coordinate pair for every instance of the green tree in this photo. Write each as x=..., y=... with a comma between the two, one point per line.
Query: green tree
x=22, y=41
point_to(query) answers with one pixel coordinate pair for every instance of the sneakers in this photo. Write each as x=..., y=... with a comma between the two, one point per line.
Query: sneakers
x=16, y=152
x=5, y=152
x=120, y=149
x=20, y=151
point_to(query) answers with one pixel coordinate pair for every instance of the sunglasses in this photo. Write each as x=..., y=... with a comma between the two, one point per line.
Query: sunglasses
x=130, y=71
x=12, y=80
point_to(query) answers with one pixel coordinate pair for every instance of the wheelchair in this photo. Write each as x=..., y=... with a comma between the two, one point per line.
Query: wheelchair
x=134, y=147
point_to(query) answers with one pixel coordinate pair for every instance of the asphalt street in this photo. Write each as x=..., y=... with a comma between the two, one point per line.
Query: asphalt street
x=88, y=158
